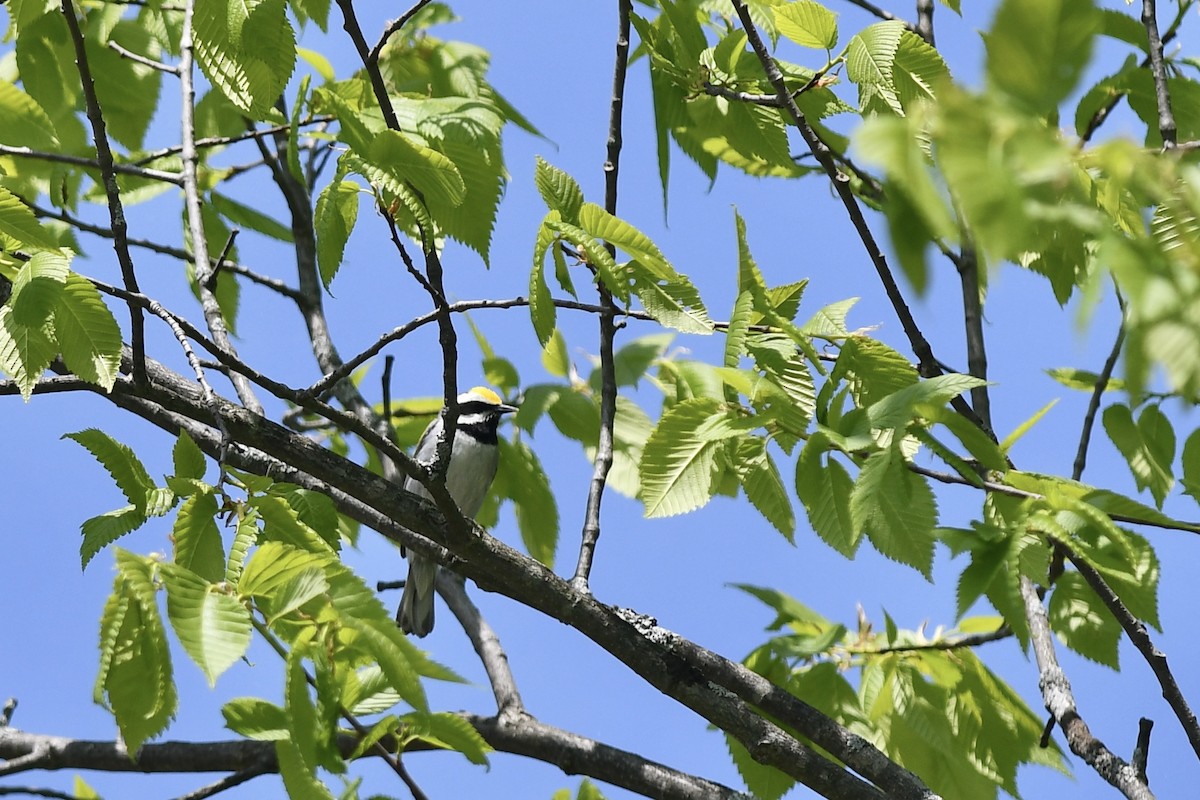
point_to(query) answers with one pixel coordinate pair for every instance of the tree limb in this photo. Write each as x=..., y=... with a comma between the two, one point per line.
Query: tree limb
x=1060, y=702
x=116, y=211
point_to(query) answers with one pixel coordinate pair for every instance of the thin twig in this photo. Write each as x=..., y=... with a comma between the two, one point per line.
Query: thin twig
x=274, y=284
x=955, y=643
x=1135, y=629
x=354, y=30
x=140, y=59
x=1060, y=702
x=1102, y=113
x=116, y=211
x=391, y=28
x=391, y=760
x=968, y=275
x=205, y=272
x=221, y=141
x=882, y=13
x=608, y=328
x=1166, y=119
x=93, y=163
x=1012, y=491
x=1089, y=417
x=229, y=781
x=927, y=364
x=34, y=791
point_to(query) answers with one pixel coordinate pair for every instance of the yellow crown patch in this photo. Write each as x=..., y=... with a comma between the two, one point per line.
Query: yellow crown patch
x=486, y=394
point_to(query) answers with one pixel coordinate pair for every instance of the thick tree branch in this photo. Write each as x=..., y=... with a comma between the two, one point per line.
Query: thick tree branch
x=721, y=691
x=116, y=211
x=1060, y=702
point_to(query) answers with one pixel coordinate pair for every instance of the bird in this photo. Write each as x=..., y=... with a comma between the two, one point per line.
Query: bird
x=474, y=457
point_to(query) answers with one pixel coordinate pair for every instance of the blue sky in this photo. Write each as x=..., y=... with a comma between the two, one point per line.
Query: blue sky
x=553, y=61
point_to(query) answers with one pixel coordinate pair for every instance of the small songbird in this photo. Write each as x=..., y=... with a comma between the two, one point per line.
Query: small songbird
x=473, y=460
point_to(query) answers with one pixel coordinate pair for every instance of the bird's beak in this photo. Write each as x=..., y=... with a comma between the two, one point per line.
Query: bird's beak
x=505, y=408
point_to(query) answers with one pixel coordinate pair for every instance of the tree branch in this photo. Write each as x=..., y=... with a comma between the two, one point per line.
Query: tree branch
x=1135, y=629
x=390, y=30
x=206, y=274
x=144, y=173
x=1060, y=702
x=116, y=211
x=608, y=328
x=274, y=284
x=1166, y=119
x=723, y=692
x=928, y=364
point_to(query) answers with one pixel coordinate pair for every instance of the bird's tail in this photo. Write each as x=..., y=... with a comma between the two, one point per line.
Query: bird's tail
x=415, y=615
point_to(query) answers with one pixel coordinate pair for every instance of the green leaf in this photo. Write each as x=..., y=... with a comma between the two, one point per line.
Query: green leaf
x=256, y=719
x=764, y=782
x=870, y=58
x=298, y=590
x=103, y=530
x=674, y=302
x=135, y=678
x=526, y=483
x=250, y=218
x=555, y=359
x=1148, y=446
x=898, y=409
x=825, y=487
x=245, y=536
x=383, y=642
x=764, y=487
x=213, y=627
x=247, y=49
x=808, y=24
x=283, y=523
x=25, y=352
x=197, y=540
x=1082, y=622
x=1191, y=466
x=559, y=190
x=432, y=174
x=1037, y=49
x=680, y=457
x=120, y=461
x=37, y=288
x=299, y=779
x=88, y=333
x=188, y=458
x=304, y=731
x=628, y=239
x=274, y=564
x=23, y=121
x=1083, y=380
x=18, y=222
x=872, y=369
x=450, y=731
x=896, y=509
x=541, y=304
x=127, y=91
x=1026, y=426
